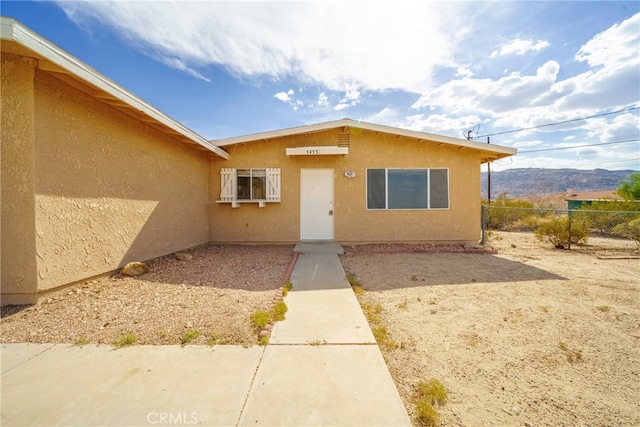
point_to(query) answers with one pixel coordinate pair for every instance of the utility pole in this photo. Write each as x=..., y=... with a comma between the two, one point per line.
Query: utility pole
x=489, y=175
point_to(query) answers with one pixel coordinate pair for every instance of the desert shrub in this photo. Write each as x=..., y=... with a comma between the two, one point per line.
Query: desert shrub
x=530, y=222
x=429, y=395
x=279, y=310
x=563, y=231
x=605, y=215
x=630, y=230
x=260, y=319
x=503, y=219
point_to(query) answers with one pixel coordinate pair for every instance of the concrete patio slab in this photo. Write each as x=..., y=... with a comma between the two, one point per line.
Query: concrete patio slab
x=141, y=385
x=326, y=385
x=19, y=354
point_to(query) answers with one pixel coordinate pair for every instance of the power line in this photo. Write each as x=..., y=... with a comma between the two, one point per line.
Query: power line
x=578, y=146
x=620, y=161
x=560, y=123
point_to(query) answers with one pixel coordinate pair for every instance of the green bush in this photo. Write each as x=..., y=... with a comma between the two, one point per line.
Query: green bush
x=427, y=396
x=504, y=219
x=563, y=231
x=279, y=310
x=630, y=230
x=605, y=215
x=260, y=319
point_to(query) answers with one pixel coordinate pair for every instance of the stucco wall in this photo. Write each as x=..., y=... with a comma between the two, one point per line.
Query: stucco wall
x=109, y=188
x=17, y=221
x=280, y=222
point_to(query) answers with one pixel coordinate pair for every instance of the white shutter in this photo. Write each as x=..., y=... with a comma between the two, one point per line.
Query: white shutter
x=228, y=185
x=273, y=185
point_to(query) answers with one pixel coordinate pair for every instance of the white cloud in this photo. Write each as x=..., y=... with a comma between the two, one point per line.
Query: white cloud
x=284, y=96
x=323, y=100
x=488, y=96
x=464, y=72
x=442, y=124
x=620, y=128
x=338, y=45
x=520, y=47
x=350, y=99
x=617, y=45
x=519, y=101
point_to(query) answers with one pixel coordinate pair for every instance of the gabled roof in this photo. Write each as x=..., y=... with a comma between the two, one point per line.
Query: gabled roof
x=20, y=40
x=489, y=152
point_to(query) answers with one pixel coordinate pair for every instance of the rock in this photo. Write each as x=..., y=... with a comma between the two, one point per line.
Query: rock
x=183, y=256
x=516, y=410
x=264, y=333
x=135, y=268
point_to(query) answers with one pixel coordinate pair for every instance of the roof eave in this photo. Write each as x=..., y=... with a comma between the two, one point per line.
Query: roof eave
x=43, y=50
x=495, y=152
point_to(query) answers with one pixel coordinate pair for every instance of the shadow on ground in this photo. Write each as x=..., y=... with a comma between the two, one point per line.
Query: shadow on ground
x=427, y=269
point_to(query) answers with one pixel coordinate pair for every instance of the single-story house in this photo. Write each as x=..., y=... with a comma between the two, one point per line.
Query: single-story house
x=92, y=177
x=576, y=200
x=351, y=182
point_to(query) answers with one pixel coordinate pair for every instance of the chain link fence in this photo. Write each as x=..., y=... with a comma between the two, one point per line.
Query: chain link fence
x=599, y=231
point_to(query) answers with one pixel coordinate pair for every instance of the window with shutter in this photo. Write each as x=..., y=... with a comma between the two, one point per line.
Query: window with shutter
x=273, y=185
x=249, y=185
x=228, y=185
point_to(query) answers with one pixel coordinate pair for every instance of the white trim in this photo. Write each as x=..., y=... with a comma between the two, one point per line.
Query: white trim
x=497, y=150
x=12, y=30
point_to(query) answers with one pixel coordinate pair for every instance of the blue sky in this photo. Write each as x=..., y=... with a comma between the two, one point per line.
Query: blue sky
x=234, y=68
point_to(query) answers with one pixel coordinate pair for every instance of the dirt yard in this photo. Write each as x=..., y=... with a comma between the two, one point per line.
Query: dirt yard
x=539, y=337
x=210, y=296
x=527, y=337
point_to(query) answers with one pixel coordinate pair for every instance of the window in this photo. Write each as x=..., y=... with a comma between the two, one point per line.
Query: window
x=251, y=184
x=248, y=185
x=407, y=188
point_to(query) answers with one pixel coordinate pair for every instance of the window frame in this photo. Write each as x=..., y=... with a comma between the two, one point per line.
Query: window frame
x=229, y=185
x=428, y=188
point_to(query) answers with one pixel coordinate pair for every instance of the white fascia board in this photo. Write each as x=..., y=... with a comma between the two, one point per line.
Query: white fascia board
x=491, y=148
x=16, y=32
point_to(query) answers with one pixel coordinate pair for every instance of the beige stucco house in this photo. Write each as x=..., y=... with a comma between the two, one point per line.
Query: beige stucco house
x=348, y=181
x=92, y=177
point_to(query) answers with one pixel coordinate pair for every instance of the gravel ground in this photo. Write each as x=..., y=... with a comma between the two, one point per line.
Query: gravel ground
x=214, y=293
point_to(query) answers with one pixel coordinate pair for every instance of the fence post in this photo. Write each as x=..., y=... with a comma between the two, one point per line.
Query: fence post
x=569, y=231
x=484, y=225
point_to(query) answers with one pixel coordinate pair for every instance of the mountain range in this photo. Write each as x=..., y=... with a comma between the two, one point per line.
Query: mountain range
x=526, y=182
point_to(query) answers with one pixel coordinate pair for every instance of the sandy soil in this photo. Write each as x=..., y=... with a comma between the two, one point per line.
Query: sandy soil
x=214, y=293
x=497, y=330
x=538, y=337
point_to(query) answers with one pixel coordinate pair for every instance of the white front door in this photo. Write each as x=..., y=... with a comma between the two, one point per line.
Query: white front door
x=316, y=204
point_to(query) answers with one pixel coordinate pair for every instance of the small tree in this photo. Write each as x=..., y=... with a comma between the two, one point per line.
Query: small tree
x=630, y=189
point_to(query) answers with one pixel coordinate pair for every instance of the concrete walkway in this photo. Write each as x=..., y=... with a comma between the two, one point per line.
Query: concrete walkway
x=321, y=368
